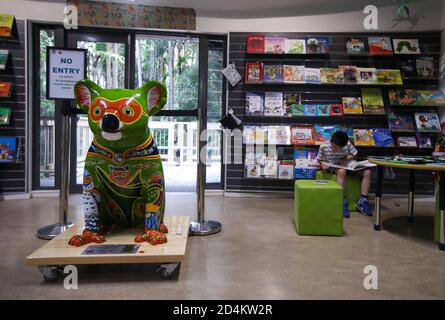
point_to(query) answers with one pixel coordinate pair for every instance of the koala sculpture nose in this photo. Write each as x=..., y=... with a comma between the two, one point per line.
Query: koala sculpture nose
x=110, y=123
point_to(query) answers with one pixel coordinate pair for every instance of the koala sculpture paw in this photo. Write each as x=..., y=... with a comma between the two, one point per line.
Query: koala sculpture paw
x=86, y=238
x=153, y=237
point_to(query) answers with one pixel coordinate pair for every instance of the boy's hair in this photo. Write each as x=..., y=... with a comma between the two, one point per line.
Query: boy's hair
x=340, y=138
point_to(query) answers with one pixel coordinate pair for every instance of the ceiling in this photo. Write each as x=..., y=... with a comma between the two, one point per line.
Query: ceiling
x=263, y=8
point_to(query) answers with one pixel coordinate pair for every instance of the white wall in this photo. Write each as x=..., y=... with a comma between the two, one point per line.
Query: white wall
x=33, y=10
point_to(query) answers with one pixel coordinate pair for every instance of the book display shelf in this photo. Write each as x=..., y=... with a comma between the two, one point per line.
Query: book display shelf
x=381, y=89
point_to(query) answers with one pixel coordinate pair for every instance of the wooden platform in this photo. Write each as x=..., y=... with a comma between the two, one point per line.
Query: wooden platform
x=58, y=252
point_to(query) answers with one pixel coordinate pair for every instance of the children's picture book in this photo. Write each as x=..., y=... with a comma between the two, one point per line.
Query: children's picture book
x=380, y=46
x=383, y=137
x=373, y=101
x=352, y=105
x=255, y=43
x=254, y=72
x=427, y=121
x=323, y=110
x=6, y=24
x=5, y=115
x=278, y=135
x=254, y=104
x=290, y=101
x=312, y=75
x=293, y=74
x=253, y=171
x=3, y=59
x=5, y=89
x=331, y=75
x=305, y=173
x=323, y=133
x=336, y=109
x=248, y=134
x=298, y=110
x=406, y=46
x=302, y=135
x=260, y=158
x=250, y=157
x=271, y=169
x=407, y=142
x=273, y=73
x=317, y=45
x=422, y=98
x=310, y=110
x=351, y=165
x=274, y=45
x=295, y=46
x=424, y=140
x=363, y=137
x=400, y=122
x=349, y=74
x=8, y=149
x=355, y=46
x=407, y=67
x=273, y=104
x=260, y=135
x=285, y=171
x=425, y=68
x=366, y=75
x=389, y=76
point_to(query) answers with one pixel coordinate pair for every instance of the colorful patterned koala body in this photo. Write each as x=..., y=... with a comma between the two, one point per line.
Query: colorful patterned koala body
x=123, y=178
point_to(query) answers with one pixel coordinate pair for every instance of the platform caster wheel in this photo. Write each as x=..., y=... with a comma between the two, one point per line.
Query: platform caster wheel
x=168, y=270
x=50, y=273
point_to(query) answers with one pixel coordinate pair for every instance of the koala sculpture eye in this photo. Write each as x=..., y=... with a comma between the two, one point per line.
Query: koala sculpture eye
x=128, y=111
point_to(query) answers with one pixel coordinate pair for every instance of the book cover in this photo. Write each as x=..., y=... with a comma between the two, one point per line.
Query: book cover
x=3, y=59
x=260, y=158
x=273, y=73
x=295, y=46
x=366, y=75
x=352, y=105
x=5, y=115
x=323, y=133
x=317, y=45
x=274, y=45
x=425, y=68
x=389, y=76
x=331, y=75
x=400, y=122
x=271, y=169
x=260, y=135
x=5, y=89
x=248, y=134
x=253, y=171
x=250, y=157
x=323, y=110
x=312, y=75
x=273, y=104
x=286, y=171
x=383, y=137
x=363, y=137
x=290, y=102
x=422, y=98
x=254, y=104
x=407, y=142
x=8, y=149
x=406, y=46
x=298, y=110
x=336, y=109
x=293, y=74
x=355, y=46
x=427, y=121
x=407, y=68
x=372, y=100
x=278, y=135
x=424, y=140
x=255, y=43
x=302, y=135
x=349, y=74
x=380, y=46
x=310, y=110
x=6, y=23
x=300, y=153
x=254, y=72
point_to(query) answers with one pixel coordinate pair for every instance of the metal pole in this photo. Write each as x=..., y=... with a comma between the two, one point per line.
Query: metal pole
x=51, y=231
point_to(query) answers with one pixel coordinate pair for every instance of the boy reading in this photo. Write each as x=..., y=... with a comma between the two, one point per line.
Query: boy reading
x=339, y=150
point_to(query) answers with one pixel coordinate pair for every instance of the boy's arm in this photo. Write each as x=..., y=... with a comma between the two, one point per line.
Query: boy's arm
x=352, y=152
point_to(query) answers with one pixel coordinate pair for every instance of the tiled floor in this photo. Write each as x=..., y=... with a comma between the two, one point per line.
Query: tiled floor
x=258, y=255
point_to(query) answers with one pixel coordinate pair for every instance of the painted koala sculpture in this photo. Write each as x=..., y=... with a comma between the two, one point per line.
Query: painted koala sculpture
x=123, y=178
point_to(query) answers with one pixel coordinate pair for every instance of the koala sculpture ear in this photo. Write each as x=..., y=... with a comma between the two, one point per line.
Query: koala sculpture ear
x=156, y=94
x=85, y=91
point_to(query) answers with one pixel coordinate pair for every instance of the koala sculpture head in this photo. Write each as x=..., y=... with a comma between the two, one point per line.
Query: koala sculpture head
x=118, y=118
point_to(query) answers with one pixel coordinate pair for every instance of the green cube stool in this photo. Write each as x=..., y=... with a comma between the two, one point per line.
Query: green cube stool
x=353, y=186
x=318, y=208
